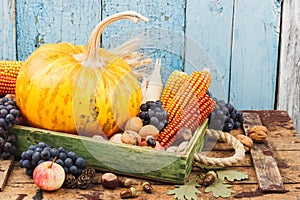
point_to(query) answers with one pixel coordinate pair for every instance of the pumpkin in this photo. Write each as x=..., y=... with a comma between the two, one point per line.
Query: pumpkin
x=79, y=89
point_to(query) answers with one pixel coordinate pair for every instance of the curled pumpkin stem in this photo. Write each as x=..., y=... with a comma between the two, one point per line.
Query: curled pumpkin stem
x=94, y=40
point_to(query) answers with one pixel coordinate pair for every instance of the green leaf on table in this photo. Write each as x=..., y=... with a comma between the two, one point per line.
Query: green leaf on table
x=188, y=191
x=219, y=189
x=231, y=175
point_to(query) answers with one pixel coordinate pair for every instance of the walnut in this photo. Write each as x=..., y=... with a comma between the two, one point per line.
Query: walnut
x=258, y=128
x=246, y=141
x=258, y=133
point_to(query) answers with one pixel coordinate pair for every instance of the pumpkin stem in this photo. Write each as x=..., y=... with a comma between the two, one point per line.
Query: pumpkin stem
x=94, y=40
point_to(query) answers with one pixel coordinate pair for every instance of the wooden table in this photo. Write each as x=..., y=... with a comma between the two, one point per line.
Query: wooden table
x=283, y=140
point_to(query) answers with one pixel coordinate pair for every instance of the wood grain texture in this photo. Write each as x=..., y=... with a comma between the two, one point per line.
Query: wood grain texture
x=265, y=165
x=40, y=22
x=164, y=32
x=208, y=41
x=289, y=69
x=5, y=169
x=7, y=30
x=255, y=54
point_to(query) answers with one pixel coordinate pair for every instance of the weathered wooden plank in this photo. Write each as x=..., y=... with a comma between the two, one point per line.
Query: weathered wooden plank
x=53, y=21
x=5, y=169
x=165, y=29
x=267, y=172
x=288, y=96
x=7, y=30
x=208, y=41
x=255, y=53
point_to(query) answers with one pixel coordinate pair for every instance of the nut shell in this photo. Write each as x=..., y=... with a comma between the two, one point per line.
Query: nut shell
x=110, y=180
x=134, y=124
x=258, y=136
x=131, y=137
x=246, y=141
x=258, y=128
x=148, y=130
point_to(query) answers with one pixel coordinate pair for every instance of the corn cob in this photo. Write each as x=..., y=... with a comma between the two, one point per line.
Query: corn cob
x=190, y=118
x=172, y=86
x=197, y=82
x=9, y=71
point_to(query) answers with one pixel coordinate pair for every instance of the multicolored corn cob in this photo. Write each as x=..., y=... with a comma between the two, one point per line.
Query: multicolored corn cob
x=196, y=83
x=175, y=81
x=9, y=71
x=191, y=117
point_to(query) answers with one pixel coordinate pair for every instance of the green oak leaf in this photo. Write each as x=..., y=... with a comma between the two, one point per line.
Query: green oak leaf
x=231, y=175
x=188, y=191
x=219, y=189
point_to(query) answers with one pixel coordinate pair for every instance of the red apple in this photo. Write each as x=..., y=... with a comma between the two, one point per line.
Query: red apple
x=49, y=176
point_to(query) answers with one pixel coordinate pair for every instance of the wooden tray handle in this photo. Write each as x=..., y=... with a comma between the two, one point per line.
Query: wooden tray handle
x=222, y=162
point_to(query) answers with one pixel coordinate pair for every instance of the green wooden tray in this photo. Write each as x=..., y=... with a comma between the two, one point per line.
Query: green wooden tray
x=124, y=159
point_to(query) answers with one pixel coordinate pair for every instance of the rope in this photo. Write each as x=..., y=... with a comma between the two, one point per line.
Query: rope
x=222, y=162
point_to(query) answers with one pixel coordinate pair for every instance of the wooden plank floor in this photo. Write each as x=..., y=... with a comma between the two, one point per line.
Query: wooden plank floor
x=284, y=143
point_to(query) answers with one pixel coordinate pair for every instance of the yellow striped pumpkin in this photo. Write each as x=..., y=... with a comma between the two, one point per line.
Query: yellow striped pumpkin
x=78, y=89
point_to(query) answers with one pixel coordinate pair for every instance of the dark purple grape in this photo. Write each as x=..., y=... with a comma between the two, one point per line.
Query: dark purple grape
x=41, y=145
x=73, y=170
x=29, y=172
x=143, y=107
x=154, y=121
x=230, y=107
x=80, y=163
x=20, y=162
x=151, y=113
x=227, y=127
x=60, y=162
x=28, y=154
x=27, y=164
x=62, y=155
x=72, y=155
x=54, y=152
x=3, y=112
x=41, y=161
x=7, y=146
x=36, y=156
x=39, y=149
x=236, y=125
x=5, y=155
x=45, y=155
x=32, y=147
x=2, y=141
x=10, y=118
x=2, y=131
x=146, y=122
x=151, y=141
x=66, y=170
x=68, y=162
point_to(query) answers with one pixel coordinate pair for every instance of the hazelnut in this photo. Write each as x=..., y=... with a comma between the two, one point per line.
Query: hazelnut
x=127, y=182
x=147, y=187
x=258, y=136
x=246, y=141
x=110, y=180
x=131, y=137
x=148, y=130
x=134, y=124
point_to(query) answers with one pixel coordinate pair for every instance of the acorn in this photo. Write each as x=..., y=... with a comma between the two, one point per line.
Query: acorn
x=128, y=193
x=110, y=180
x=147, y=187
x=126, y=182
x=209, y=178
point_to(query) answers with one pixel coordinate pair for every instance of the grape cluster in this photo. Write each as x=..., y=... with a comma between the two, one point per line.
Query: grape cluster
x=154, y=114
x=36, y=154
x=225, y=117
x=9, y=115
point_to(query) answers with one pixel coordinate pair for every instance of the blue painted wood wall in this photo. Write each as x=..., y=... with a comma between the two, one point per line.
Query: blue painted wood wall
x=237, y=39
